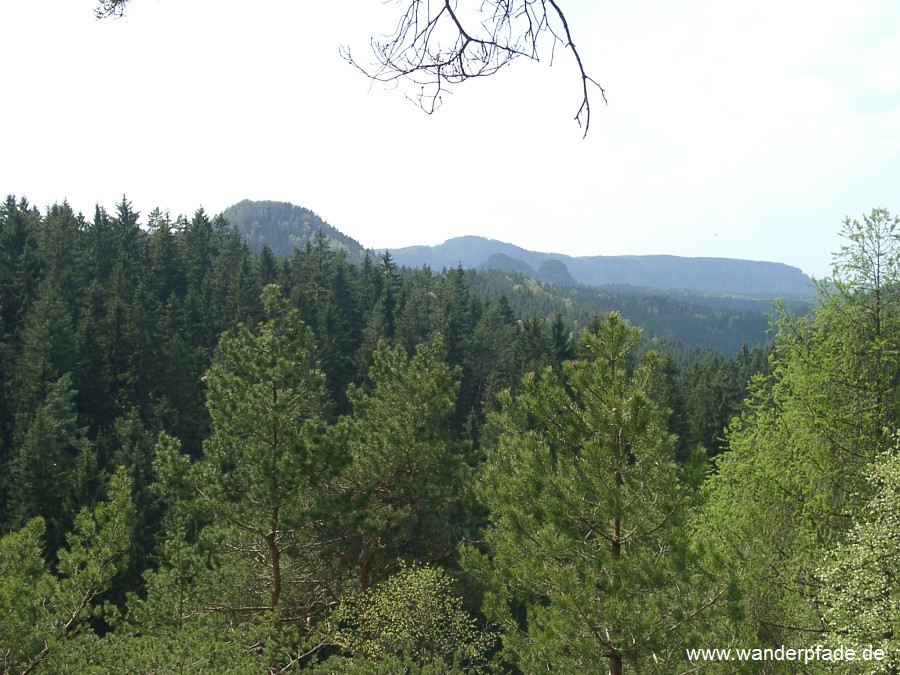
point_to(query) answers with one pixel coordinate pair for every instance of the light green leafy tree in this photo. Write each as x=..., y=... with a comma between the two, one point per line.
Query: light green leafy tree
x=795, y=475
x=411, y=621
x=587, y=545
x=861, y=578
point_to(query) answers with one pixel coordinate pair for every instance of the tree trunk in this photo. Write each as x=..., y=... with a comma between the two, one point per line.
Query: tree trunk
x=615, y=664
x=275, y=557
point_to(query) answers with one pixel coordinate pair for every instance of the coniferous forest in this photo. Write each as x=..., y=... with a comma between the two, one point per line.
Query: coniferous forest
x=218, y=461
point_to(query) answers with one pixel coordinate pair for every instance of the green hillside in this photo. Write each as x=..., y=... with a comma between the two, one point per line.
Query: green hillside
x=283, y=227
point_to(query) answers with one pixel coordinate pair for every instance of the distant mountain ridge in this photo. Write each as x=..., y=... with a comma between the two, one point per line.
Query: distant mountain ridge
x=283, y=226
x=708, y=275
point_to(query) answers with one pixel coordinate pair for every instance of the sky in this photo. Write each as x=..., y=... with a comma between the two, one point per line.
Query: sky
x=742, y=130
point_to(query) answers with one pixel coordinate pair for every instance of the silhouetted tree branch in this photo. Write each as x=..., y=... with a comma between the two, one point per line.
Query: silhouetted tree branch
x=440, y=43
x=109, y=8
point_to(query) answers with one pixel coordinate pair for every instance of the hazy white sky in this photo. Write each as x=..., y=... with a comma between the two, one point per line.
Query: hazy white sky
x=733, y=129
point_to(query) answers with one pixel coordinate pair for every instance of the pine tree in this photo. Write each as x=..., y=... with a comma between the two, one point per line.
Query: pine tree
x=322, y=292
x=61, y=244
x=45, y=617
x=251, y=498
x=19, y=261
x=269, y=267
x=166, y=266
x=587, y=547
x=46, y=353
x=201, y=245
x=406, y=478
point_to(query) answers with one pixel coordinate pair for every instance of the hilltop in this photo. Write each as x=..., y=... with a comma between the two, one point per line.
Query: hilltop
x=283, y=226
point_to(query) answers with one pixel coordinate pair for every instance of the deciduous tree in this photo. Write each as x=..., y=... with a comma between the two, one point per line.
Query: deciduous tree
x=861, y=587
x=794, y=477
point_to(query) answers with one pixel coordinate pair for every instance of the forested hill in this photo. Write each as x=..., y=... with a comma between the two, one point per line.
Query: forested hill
x=710, y=275
x=283, y=227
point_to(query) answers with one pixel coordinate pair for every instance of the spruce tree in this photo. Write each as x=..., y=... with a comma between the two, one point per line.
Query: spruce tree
x=44, y=475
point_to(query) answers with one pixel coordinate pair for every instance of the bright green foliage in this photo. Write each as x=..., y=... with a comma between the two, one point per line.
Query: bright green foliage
x=26, y=593
x=98, y=547
x=192, y=649
x=863, y=310
x=861, y=592
x=795, y=475
x=182, y=624
x=587, y=548
x=413, y=616
x=42, y=615
x=406, y=481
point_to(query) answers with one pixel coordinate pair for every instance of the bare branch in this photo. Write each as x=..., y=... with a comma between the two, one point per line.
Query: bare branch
x=438, y=44
x=110, y=8
x=585, y=109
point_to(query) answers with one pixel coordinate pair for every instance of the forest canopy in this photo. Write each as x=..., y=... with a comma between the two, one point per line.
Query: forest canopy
x=218, y=460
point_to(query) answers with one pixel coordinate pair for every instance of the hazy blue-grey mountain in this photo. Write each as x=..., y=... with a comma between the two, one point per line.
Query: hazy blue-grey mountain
x=555, y=272
x=283, y=226
x=501, y=261
x=708, y=275
x=471, y=252
x=552, y=270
